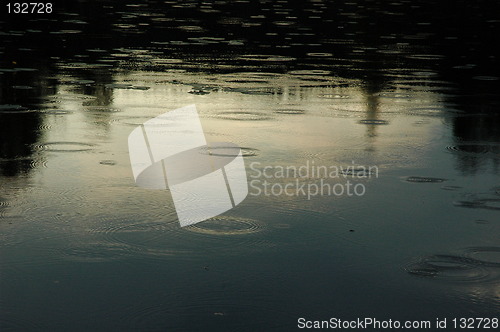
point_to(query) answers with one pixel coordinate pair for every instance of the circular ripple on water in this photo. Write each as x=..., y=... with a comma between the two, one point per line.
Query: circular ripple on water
x=43, y=127
x=95, y=251
x=472, y=148
x=243, y=116
x=486, y=78
x=290, y=111
x=373, y=122
x=65, y=147
x=333, y=96
x=433, y=111
x=4, y=203
x=489, y=256
x=219, y=151
x=310, y=72
x=108, y=162
x=451, y=188
x=131, y=235
x=125, y=86
x=22, y=87
x=140, y=120
x=13, y=109
x=33, y=161
x=358, y=172
x=209, y=304
x=222, y=234
x=38, y=162
x=318, y=54
x=58, y=208
x=101, y=110
x=451, y=268
x=266, y=58
x=421, y=179
x=468, y=148
x=394, y=95
x=56, y=111
x=69, y=97
x=16, y=321
x=84, y=82
x=424, y=74
x=481, y=203
x=226, y=226
x=425, y=56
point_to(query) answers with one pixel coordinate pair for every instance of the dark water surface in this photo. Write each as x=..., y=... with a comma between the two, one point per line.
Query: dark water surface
x=411, y=87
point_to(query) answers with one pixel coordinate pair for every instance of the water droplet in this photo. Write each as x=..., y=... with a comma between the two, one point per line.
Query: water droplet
x=108, y=162
x=451, y=188
x=22, y=87
x=420, y=179
x=452, y=268
x=243, y=116
x=198, y=92
x=225, y=226
x=486, y=78
x=320, y=54
x=64, y=146
x=481, y=203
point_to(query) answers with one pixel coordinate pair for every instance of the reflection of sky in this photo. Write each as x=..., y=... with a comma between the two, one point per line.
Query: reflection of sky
x=330, y=119
x=318, y=81
x=288, y=118
x=329, y=129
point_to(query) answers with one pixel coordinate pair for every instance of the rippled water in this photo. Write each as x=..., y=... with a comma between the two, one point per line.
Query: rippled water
x=408, y=87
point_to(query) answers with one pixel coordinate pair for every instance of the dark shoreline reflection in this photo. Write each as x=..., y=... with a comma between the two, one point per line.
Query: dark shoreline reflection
x=476, y=130
x=21, y=131
x=21, y=123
